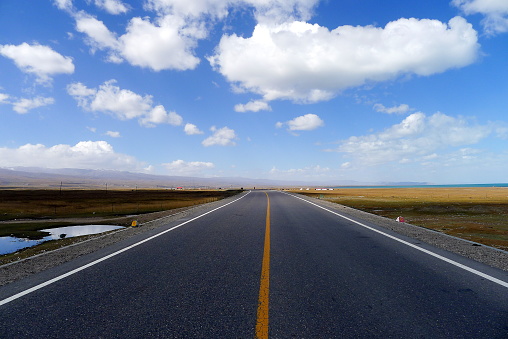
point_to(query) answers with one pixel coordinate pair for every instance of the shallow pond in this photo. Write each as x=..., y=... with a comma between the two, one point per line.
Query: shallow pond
x=13, y=244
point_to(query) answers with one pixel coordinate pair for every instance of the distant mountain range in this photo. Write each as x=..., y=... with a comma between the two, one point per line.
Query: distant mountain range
x=31, y=177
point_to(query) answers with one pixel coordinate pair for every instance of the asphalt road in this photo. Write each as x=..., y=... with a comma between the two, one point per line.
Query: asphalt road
x=323, y=277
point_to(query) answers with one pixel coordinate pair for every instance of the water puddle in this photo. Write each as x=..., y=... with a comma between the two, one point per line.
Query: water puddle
x=13, y=244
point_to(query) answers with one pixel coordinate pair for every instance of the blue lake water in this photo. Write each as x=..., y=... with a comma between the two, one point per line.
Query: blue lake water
x=13, y=244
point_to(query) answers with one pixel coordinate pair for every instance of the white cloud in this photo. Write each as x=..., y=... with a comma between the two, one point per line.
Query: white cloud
x=308, y=63
x=23, y=105
x=401, y=109
x=113, y=134
x=307, y=122
x=253, y=106
x=482, y=6
x=166, y=44
x=191, y=129
x=112, y=6
x=39, y=60
x=278, y=11
x=85, y=154
x=81, y=93
x=122, y=103
x=77, y=89
x=264, y=10
x=65, y=5
x=221, y=137
x=168, y=39
x=99, y=36
x=417, y=137
x=495, y=11
x=3, y=98
x=158, y=115
x=180, y=167
x=190, y=9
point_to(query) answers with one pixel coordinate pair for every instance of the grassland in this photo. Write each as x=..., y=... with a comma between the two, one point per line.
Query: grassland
x=478, y=214
x=23, y=212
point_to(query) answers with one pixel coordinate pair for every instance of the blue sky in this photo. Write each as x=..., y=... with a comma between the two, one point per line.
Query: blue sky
x=372, y=91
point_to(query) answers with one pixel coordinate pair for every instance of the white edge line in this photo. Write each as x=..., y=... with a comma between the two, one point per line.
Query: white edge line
x=464, y=267
x=65, y=275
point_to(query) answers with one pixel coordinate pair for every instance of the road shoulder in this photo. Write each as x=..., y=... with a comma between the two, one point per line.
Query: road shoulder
x=484, y=254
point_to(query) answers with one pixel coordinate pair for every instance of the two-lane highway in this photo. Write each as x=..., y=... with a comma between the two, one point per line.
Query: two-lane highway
x=334, y=278
x=266, y=264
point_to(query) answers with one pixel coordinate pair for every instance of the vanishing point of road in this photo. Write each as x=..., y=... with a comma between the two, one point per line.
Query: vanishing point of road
x=267, y=264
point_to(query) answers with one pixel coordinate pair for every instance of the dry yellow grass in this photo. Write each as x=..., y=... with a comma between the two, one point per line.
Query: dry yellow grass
x=475, y=213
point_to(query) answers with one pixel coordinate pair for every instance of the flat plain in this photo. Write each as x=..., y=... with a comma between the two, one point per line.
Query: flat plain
x=478, y=214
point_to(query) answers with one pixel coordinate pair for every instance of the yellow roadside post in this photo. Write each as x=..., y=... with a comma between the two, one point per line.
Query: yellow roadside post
x=134, y=223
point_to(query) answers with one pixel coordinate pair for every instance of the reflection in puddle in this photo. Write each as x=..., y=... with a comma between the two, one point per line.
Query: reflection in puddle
x=13, y=244
x=76, y=231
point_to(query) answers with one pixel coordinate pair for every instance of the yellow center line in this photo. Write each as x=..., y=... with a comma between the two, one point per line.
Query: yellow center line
x=264, y=289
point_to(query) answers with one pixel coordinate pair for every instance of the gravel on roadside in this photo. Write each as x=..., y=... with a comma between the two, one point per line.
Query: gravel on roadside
x=485, y=254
